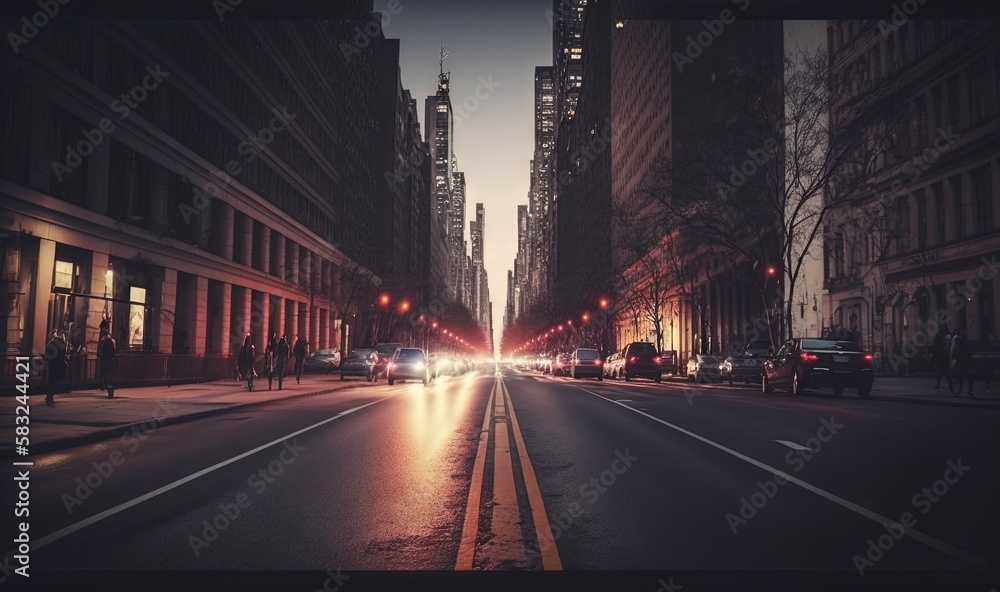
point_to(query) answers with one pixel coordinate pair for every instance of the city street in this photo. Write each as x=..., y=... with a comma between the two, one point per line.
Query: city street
x=639, y=476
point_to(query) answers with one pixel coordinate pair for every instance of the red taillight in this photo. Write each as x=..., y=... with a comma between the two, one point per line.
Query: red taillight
x=868, y=357
x=597, y=362
x=657, y=360
x=632, y=360
x=808, y=357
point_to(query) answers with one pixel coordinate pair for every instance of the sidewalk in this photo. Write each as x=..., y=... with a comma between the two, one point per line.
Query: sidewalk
x=903, y=389
x=86, y=416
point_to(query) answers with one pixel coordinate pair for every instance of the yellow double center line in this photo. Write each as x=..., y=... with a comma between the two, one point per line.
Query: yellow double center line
x=507, y=542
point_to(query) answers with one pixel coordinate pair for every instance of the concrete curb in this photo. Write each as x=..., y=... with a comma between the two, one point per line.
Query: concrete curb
x=121, y=429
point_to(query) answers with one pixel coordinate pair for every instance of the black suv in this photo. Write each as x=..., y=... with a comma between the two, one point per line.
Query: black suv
x=642, y=361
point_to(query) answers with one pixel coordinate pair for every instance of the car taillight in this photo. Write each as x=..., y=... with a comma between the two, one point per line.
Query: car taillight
x=597, y=362
x=632, y=359
x=657, y=360
x=805, y=357
x=868, y=358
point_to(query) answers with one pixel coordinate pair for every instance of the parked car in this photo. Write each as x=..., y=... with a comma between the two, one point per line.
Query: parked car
x=703, y=368
x=360, y=362
x=561, y=364
x=757, y=348
x=613, y=365
x=408, y=363
x=323, y=360
x=742, y=368
x=587, y=362
x=642, y=361
x=819, y=363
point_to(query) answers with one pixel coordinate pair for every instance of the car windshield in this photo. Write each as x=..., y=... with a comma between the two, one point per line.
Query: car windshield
x=587, y=354
x=830, y=344
x=408, y=355
x=360, y=354
x=642, y=348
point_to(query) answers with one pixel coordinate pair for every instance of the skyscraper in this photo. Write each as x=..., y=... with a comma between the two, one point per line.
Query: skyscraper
x=540, y=200
x=439, y=118
x=456, y=231
x=439, y=133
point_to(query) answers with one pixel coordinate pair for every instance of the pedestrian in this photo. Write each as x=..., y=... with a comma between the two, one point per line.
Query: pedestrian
x=269, y=353
x=961, y=356
x=55, y=355
x=300, y=351
x=281, y=359
x=107, y=349
x=245, y=360
x=939, y=357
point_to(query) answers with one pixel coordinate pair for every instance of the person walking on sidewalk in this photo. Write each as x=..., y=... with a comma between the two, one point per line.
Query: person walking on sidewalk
x=281, y=359
x=961, y=359
x=55, y=355
x=299, y=351
x=244, y=363
x=939, y=357
x=107, y=349
x=269, y=352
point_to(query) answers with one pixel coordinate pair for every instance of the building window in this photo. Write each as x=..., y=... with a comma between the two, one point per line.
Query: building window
x=954, y=106
x=904, y=43
x=892, y=52
x=979, y=92
x=137, y=317
x=877, y=62
x=903, y=225
x=959, y=206
x=922, y=124
x=939, y=213
x=63, y=279
x=937, y=106
x=982, y=186
x=921, y=219
x=921, y=37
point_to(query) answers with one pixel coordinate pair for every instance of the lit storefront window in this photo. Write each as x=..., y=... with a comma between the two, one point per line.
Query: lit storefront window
x=137, y=316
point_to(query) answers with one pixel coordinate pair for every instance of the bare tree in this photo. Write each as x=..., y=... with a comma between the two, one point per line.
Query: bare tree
x=761, y=181
x=346, y=300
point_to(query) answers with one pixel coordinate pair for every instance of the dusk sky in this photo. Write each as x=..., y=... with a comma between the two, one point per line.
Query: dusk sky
x=494, y=143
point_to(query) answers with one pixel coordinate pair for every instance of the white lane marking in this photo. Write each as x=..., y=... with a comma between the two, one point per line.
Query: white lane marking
x=623, y=400
x=156, y=492
x=793, y=445
x=931, y=542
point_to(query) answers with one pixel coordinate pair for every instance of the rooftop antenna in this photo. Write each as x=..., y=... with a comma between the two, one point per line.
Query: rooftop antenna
x=443, y=76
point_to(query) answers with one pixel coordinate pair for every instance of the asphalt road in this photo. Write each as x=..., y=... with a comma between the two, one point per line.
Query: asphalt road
x=634, y=476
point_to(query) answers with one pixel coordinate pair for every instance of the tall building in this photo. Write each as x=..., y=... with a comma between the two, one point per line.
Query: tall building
x=173, y=226
x=508, y=314
x=917, y=248
x=521, y=262
x=439, y=133
x=456, y=232
x=401, y=186
x=540, y=203
x=439, y=121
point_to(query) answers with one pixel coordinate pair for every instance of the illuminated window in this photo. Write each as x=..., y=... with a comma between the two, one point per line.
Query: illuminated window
x=64, y=275
x=136, y=316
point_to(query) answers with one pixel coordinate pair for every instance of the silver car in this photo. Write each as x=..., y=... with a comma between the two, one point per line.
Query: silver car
x=704, y=368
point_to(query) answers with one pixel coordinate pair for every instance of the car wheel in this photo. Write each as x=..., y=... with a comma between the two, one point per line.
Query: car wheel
x=838, y=391
x=865, y=390
x=600, y=377
x=391, y=382
x=627, y=377
x=730, y=380
x=766, y=387
x=797, y=386
x=658, y=379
